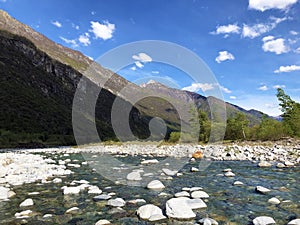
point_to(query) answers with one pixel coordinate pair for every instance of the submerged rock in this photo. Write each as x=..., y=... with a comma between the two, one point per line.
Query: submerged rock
x=199, y=194
x=155, y=184
x=274, y=201
x=117, y=202
x=262, y=190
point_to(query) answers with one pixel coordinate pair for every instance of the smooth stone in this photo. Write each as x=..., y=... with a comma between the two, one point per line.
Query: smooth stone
x=149, y=161
x=294, y=222
x=116, y=210
x=11, y=194
x=134, y=176
x=194, y=169
x=169, y=172
x=101, y=197
x=229, y=174
x=195, y=189
x=178, y=208
x=208, y=221
x=57, y=180
x=196, y=203
x=280, y=165
x=263, y=220
x=274, y=201
x=72, y=210
x=117, y=202
x=47, y=215
x=24, y=214
x=237, y=183
x=4, y=193
x=27, y=202
x=182, y=194
x=185, y=189
x=226, y=170
x=34, y=193
x=148, y=212
x=94, y=190
x=199, y=194
x=288, y=163
x=262, y=190
x=137, y=201
x=102, y=222
x=264, y=164
x=71, y=190
x=155, y=184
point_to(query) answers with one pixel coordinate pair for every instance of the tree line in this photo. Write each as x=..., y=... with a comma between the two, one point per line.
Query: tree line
x=238, y=127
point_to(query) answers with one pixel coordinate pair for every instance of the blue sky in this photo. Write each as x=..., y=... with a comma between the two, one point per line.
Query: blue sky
x=252, y=46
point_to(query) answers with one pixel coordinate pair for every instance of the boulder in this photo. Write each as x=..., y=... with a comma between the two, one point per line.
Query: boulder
x=199, y=194
x=178, y=208
x=294, y=222
x=150, y=212
x=4, y=193
x=274, y=201
x=263, y=220
x=134, y=176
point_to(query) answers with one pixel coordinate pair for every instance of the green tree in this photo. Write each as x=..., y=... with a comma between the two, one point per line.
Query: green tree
x=291, y=113
x=205, y=126
x=236, y=127
x=270, y=129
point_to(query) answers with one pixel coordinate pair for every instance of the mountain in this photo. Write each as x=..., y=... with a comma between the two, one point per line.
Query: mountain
x=203, y=103
x=38, y=82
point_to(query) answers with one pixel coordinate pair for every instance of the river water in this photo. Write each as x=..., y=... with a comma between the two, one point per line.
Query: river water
x=227, y=204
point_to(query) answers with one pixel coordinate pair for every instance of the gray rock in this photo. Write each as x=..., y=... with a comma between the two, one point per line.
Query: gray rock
x=4, y=193
x=178, y=208
x=294, y=222
x=102, y=222
x=229, y=174
x=208, y=221
x=117, y=202
x=182, y=194
x=27, y=202
x=169, y=172
x=149, y=161
x=280, y=165
x=262, y=190
x=238, y=183
x=155, y=184
x=199, y=194
x=264, y=164
x=274, y=201
x=134, y=176
x=101, y=197
x=150, y=212
x=195, y=203
x=195, y=189
x=24, y=214
x=263, y=220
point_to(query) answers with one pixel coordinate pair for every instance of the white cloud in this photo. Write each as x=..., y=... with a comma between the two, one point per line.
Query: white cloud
x=84, y=39
x=278, y=86
x=224, y=55
x=225, y=90
x=139, y=64
x=3, y=0
x=69, y=41
x=195, y=87
x=133, y=68
x=232, y=97
x=287, y=69
x=93, y=13
x=57, y=24
x=103, y=31
x=292, y=32
x=263, y=5
x=274, y=45
x=155, y=72
x=297, y=50
x=226, y=29
x=263, y=88
x=253, y=31
x=75, y=26
x=142, y=57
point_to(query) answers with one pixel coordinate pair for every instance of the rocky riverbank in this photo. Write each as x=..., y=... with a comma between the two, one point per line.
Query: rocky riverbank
x=63, y=179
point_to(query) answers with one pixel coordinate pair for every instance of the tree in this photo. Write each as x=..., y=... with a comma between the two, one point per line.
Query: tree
x=291, y=113
x=270, y=129
x=236, y=127
x=205, y=126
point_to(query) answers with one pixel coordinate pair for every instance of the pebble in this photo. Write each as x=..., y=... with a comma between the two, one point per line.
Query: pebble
x=263, y=220
x=102, y=222
x=72, y=210
x=134, y=176
x=237, y=183
x=229, y=174
x=208, y=221
x=94, y=190
x=117, y=202
x=71, y=190
x=155, y=184
x=194, y=169
x=199, y=194
x=4, y=193
x=182, y=194
x=101, y=197
x=24, y=214
x=264, y=164
x=195, y=189
x=280, y=165
x=149, y=161
x=47, y=215
x=274, y=201
x=57, y=180
x=262, y=190
x=169, y=172
x=27, y=202
x=137, y=201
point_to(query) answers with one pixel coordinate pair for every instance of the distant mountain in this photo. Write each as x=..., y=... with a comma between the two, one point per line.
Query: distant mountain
x=202, y=102
x=38, y=81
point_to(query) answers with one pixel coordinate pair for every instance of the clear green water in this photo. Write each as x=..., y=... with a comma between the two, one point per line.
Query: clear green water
x=227, y=204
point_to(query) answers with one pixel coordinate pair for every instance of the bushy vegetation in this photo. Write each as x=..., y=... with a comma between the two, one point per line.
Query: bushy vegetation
x=238, y=127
